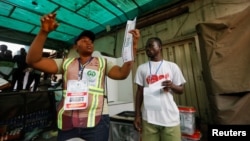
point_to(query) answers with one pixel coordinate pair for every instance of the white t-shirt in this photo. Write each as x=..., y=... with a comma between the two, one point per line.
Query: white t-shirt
x=152, y=72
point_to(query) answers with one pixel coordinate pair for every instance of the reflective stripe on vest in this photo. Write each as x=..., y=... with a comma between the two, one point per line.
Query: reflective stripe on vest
x=94, y=104
x=60, y=112
x=96, y=92
x=65, y=66
x=59, y=118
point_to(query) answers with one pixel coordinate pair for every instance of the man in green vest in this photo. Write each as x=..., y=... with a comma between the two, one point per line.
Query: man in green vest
x=82, y=112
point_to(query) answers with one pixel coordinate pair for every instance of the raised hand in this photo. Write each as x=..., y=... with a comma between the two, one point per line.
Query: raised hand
x=136, y=35
x=49, y=22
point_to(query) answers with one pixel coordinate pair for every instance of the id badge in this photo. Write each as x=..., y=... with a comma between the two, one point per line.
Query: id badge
x=77, y=95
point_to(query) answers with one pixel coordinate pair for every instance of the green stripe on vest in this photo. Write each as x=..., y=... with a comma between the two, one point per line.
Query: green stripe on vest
x=95, y=101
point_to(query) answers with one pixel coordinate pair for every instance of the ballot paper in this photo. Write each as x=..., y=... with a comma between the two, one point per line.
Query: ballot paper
x=127, y=49
x=152, y=96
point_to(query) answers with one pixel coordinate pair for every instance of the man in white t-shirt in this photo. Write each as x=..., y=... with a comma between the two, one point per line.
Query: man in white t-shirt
x=157, y=114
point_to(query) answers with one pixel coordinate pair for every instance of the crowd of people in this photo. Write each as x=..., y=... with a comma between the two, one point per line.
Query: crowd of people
x=16, y=75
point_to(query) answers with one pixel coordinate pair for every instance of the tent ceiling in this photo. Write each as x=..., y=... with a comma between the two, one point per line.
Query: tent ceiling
x=19, y=19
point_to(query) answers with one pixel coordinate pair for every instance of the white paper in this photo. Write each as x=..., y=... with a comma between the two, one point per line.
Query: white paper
x=158, y=84
x=152, y=98
x=127, y=49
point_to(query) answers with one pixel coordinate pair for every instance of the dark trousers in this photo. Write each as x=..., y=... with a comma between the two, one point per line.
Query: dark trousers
x=98, y=133
x=33, y=77
x=18, y=76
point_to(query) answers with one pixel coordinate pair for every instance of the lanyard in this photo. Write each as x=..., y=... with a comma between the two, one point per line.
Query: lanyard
x=156, y=69
x=82, y=66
